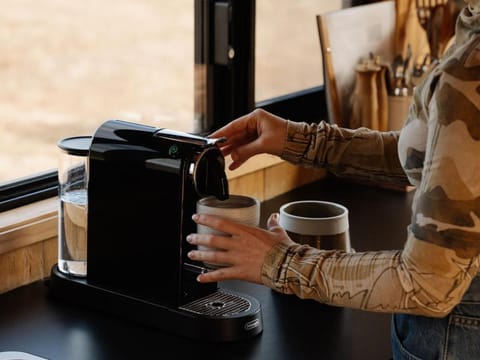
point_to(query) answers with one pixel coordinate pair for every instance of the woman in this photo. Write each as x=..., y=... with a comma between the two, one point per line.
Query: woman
x=431, y=285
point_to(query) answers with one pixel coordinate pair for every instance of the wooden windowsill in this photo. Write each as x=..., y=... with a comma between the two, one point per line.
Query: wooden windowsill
x=28, y=224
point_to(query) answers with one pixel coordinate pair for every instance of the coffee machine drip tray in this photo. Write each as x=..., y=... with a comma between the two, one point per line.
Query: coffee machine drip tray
x=219, y=303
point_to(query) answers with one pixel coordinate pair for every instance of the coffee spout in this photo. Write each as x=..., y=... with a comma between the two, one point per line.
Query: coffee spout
x=209, y=174
x=222, y=193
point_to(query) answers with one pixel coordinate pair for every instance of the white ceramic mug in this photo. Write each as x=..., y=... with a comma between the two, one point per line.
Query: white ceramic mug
x=320, y=224
x=239, y=208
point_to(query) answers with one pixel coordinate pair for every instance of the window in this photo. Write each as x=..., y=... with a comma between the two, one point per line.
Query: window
x=66, y=67
x=287, y=46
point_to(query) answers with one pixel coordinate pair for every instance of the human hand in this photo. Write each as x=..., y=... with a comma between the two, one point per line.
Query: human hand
x=245, y=250
x=255, y=133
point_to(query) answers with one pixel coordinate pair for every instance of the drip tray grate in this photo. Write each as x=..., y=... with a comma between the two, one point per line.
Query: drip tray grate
x=218, y=304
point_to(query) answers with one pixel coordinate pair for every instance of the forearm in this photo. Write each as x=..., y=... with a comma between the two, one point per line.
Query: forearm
x=386, y=281
x=359, y=153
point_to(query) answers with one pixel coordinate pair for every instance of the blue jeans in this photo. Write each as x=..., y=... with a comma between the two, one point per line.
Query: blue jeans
x=456, y=336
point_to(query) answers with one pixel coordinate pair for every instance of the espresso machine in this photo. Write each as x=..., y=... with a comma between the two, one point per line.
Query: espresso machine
x=143, y=185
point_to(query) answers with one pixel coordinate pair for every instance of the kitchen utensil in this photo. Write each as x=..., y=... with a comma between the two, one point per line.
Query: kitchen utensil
x=406, y=67
x=426, y=10
x=438, y=17
x=369, y=98
x=399, y=70
x=420, y=68
x=446, y=27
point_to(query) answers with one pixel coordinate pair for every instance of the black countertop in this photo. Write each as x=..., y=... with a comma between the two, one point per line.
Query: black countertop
x=292, y=328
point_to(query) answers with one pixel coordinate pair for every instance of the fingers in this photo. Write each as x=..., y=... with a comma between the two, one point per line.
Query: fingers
x=219, y=223
x=211, y=241
x=235, y=165
x=221, y=274
x=216, y=256
x=241, y=148
x=209, y=256
x=226, y=150
x=245, y=152
x=240, y=134
x=237, y=160
x=272, y=221
x=274, y=226
x=215, y=242
x=235, y=272
x=243, y=253
x=237, y=126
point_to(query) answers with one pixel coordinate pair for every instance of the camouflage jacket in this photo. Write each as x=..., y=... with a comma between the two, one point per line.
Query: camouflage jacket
x=438, y=150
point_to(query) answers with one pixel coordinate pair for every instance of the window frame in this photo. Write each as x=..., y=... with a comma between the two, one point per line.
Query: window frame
x=27, y=190
x=307, y=105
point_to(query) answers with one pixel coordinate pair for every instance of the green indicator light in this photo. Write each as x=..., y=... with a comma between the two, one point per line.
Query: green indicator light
x=174, y=151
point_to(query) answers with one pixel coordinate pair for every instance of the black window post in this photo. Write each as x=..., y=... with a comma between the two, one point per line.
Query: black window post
x=224, y=62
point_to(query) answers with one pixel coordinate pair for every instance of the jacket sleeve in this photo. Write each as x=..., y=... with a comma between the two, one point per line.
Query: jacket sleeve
x=361, y=153
x=430, y=275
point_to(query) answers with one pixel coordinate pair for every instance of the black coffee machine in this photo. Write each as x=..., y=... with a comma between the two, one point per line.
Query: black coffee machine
x=143, y=185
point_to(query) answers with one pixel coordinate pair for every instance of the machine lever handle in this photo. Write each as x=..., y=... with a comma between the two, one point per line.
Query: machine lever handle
x=186, y=137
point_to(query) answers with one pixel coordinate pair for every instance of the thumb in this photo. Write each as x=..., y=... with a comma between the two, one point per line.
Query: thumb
x=272, y=222
x=274, y=227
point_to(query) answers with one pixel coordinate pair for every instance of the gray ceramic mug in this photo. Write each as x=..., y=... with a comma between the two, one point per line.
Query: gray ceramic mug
x=320, y=224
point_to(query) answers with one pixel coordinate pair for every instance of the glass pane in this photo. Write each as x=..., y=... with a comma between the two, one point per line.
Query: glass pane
x=287, y=49
x=68, y=66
